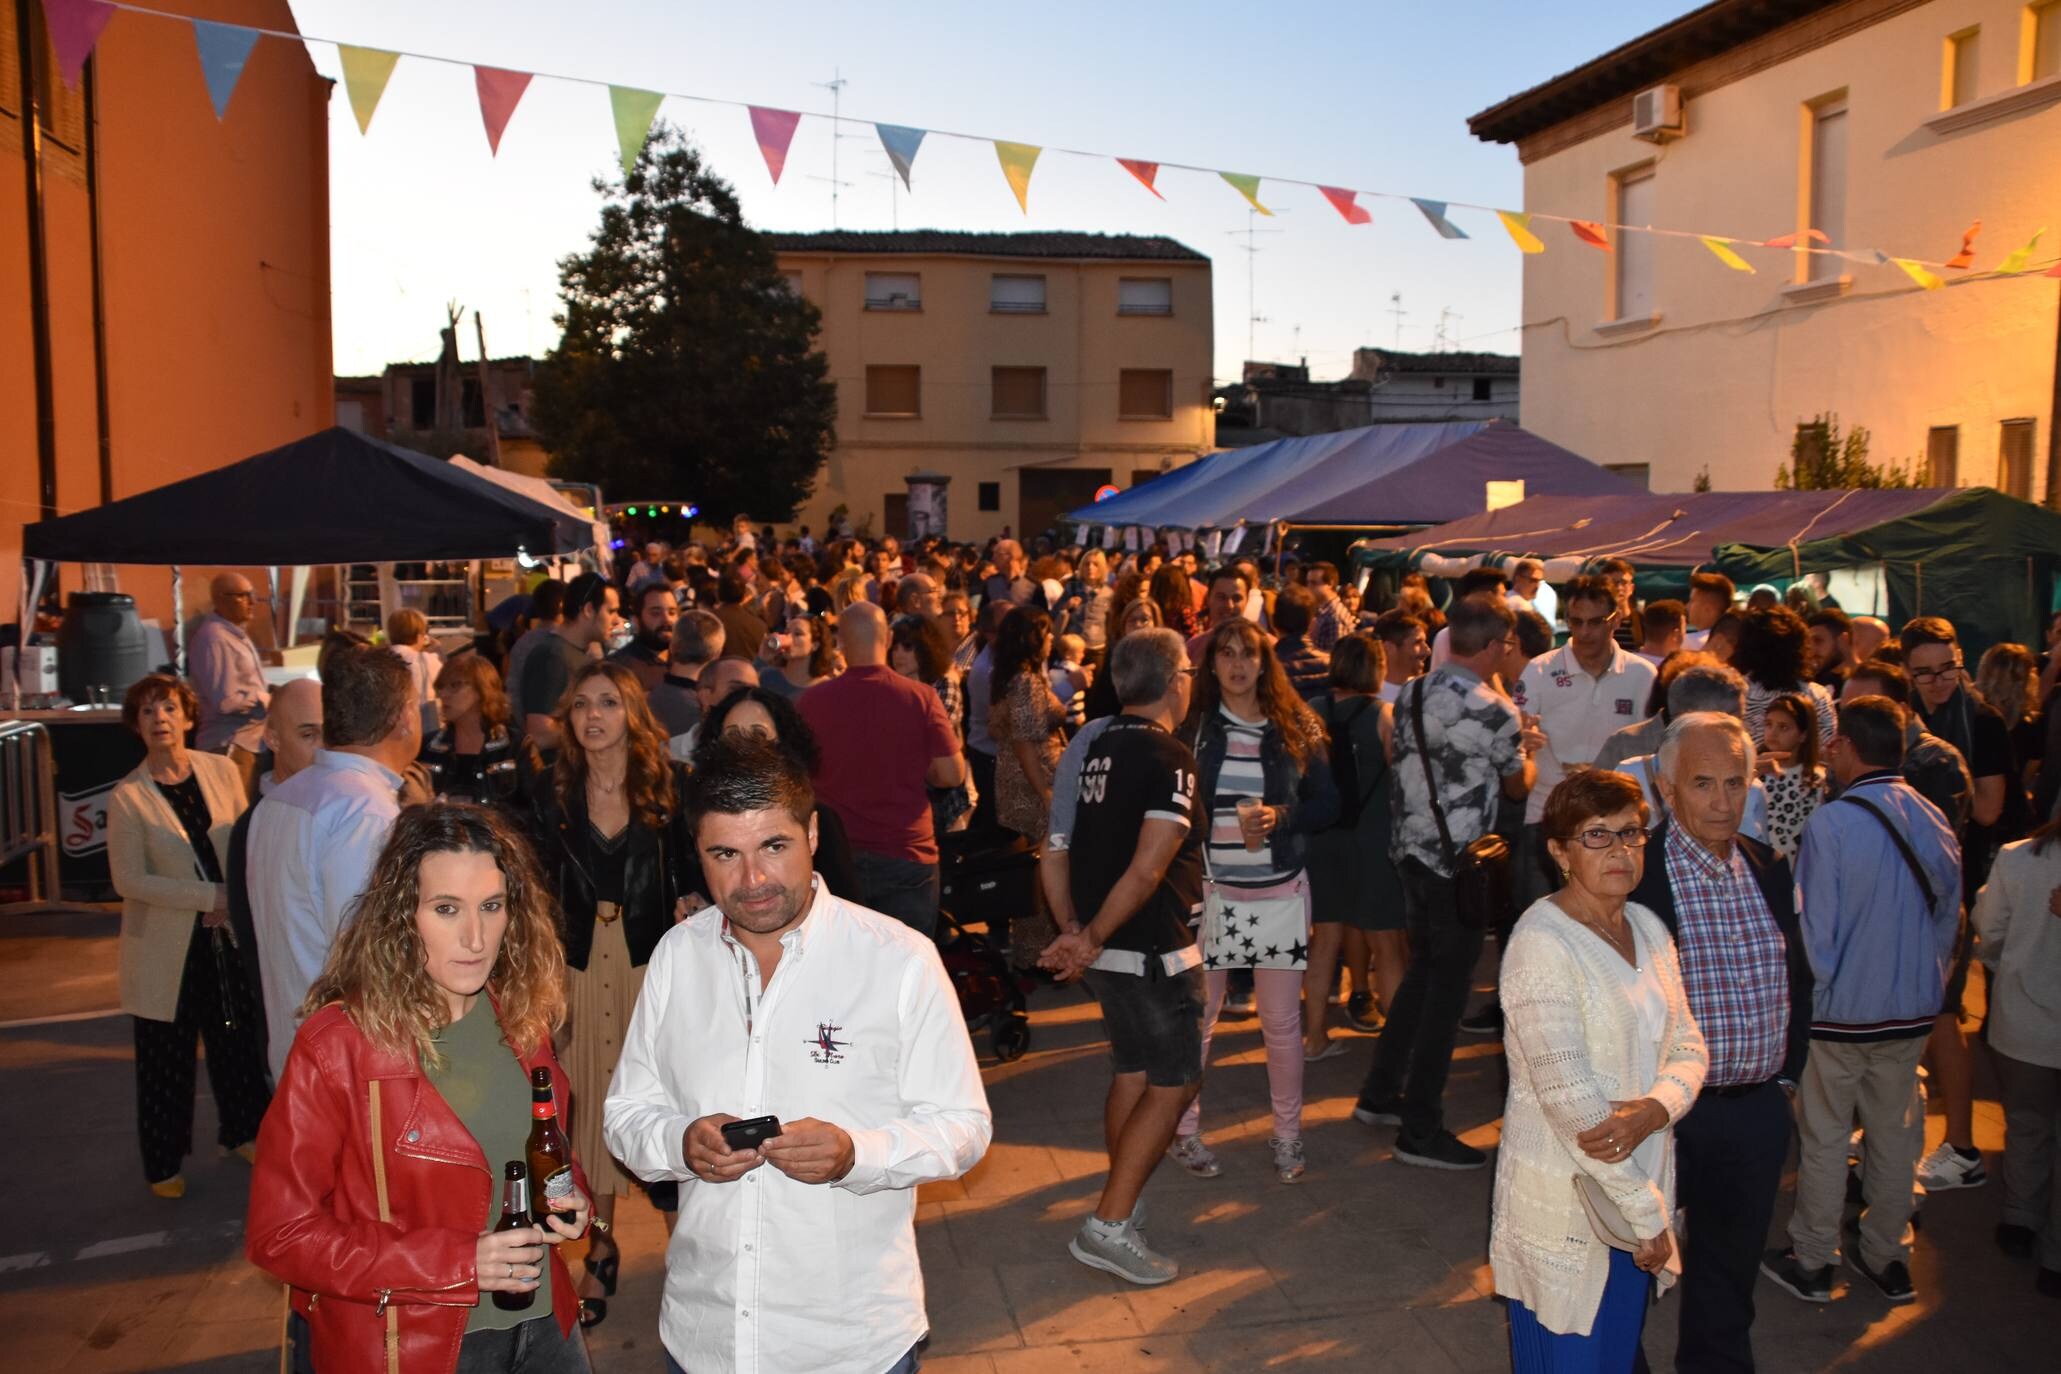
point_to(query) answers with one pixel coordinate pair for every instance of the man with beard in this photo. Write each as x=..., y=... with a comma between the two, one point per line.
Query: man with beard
x=832, y=1032
x=645, y=655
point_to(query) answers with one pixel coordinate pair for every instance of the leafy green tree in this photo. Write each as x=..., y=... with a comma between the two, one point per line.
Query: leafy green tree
x=687, y=367
x=1822, y=459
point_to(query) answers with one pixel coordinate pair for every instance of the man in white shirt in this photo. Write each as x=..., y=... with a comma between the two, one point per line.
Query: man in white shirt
x=1662, y=623
x=229, y=678
x=1404, y=649
x=314, y=841
x=783, y=1000
x=1527, y=575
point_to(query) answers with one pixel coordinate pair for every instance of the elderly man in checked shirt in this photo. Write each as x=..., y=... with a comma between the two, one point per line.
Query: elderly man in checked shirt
x=1730, y=903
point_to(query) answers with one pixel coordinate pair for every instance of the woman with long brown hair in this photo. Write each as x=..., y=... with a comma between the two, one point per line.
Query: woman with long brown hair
x=2008, y=679
x=616, y=849
x=1135, y=613
x=1173, y=592
x=379, y=1167
x=475, y=757
x=1263, y=781
x=1029, y=729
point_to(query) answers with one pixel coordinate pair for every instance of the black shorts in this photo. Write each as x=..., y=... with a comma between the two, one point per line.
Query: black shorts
x=1957, y=974
x=1154, y=1024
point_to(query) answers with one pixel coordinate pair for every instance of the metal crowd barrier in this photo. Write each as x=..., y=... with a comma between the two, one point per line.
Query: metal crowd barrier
x=28, y=808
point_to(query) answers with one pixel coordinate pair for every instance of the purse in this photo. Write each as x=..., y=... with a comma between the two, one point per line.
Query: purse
x=1481, y=871
x=1605, y=1218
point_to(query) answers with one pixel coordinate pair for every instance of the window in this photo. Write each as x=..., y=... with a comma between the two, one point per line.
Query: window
x=1957, y=76
x=1943, y=456
x=1019, y=393
x=422, y=403
x=1632, y=286
x=894, y=291
x=1642, y=473
x=1145, y=296
x=793, y=282
x=1825, y=180
x=1145, y=394
x=60, y=109
x=896, y=390
x=1016, y=295
x=1438, y=384
x=2014, y=459
x=2039, y=42
x=1481, y=389
x=989, y=495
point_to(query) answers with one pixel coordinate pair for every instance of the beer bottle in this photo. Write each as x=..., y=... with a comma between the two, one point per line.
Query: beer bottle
x=515, y=1215
x=550, y=1158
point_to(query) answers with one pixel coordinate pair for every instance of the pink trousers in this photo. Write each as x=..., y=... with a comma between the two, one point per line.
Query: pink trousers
x=1278, y=991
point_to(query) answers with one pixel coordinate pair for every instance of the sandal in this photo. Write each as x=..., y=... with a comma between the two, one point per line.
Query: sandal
x=593, y=1312
x=605, y=1272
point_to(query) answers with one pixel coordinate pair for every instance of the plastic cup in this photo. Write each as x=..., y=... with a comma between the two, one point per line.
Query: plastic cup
x=1246, y=807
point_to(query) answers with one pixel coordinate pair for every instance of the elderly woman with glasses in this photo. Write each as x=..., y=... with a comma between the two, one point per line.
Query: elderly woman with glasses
x=1604, y=1058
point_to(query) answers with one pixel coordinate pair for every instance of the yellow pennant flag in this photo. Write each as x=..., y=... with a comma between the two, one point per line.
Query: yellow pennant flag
x=365, y=75
x=1519, y=226
x=1017, y=160
x=1722, y=248
x=1917, y=273
x=1247, y=186
x=2017, y=259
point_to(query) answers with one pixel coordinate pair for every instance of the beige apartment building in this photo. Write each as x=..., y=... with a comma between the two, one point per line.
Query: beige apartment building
x=1881, y=124
x=1031, y=369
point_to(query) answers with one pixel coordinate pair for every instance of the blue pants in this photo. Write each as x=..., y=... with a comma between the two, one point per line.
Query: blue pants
x=908, y=1364
x=1612, y=1345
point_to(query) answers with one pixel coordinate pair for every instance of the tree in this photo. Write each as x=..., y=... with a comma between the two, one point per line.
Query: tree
x=1821, y=459
x=687, y=367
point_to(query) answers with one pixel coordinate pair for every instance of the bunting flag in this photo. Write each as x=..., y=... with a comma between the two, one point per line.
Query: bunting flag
x=1247, y=186
x=1790, y=240
x=1965, y=259
x=634, y=110
x=74, y=27
x=2016, y=260
x=774, y=129
x=2054, y=271
x=1146, y=172
x=1519, y=227
x=1345, y=203
x=499, y=93
x=366, y=71
x=223, y=48
x=1435, y=211
x=1722, y=249
x=901, y=144
x=1918, y=274
x=1017, y=160
x=1591, y=233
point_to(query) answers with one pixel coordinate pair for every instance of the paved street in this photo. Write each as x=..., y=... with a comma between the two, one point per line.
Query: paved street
x=1365, y=1264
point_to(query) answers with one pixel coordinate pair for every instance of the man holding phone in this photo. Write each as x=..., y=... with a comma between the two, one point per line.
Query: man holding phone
x=790, y=1046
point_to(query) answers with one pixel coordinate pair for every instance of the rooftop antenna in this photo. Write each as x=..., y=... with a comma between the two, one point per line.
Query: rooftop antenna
x=894, y=197
x=1252, y=251
x=1395, y=308
x=835, y=85
x=1443, y=339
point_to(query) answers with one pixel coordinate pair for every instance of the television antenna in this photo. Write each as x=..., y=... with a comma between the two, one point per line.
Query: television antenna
x=835, y=85
x=1442, y=340
x=1395, y=308
x=1253, y=319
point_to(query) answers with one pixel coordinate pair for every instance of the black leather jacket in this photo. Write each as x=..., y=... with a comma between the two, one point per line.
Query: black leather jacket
x=659, y=869
x=499, y=775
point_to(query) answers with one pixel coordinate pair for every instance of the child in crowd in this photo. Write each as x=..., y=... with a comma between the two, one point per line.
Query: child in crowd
x=1069, y=679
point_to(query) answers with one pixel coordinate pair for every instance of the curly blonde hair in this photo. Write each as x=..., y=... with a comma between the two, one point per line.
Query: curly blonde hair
x=379, y=969
x=648, y=780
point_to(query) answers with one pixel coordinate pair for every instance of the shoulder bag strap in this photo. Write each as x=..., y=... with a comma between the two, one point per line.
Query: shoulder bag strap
x=393, y=1317
x=1902, y=847
x=1438, y=813
x=1345, y=726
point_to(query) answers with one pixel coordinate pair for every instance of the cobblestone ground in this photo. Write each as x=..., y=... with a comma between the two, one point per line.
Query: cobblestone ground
x=1365, y=1264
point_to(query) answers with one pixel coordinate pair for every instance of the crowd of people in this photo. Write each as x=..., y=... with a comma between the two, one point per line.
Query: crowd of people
x=671, y=813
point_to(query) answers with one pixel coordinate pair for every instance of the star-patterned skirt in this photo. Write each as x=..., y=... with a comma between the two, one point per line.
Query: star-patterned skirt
x=1256, y=927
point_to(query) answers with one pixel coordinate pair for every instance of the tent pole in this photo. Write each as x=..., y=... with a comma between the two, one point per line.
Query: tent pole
x=178, y=620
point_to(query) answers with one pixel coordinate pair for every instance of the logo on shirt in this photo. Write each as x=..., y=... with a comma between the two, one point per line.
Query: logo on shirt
x=826, y=1048
x=1563, y=679
x=1624, y=706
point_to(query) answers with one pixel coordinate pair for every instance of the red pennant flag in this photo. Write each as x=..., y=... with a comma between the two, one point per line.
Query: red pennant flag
x=75, y=27
x=1789, y=240
x=1965, y=259
x=1342, y=202
x=1591, y=233
x=499, y=93
x=774, y=129
x=1146, y=172
x=2054, y=271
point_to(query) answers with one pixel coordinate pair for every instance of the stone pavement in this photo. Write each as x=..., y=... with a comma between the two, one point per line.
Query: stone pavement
x=1365, y=1264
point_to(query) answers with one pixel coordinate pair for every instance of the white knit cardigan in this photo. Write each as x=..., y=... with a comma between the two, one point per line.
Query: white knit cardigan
x=1571, y=1037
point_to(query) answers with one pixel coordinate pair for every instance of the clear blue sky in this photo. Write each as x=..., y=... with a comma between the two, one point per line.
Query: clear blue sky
x=1363, y=95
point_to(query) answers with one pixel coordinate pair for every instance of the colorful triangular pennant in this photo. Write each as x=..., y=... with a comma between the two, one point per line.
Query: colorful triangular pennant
x=1791, y=240
x=1017, y=160
x=1722, y=249
x=74, y=27
x=1346, y=203
x=500, y=92
x=223, y=48
x=774, y=129
x=1146, y=172
x=1965, y=259
x=901, y=144
x=1591, y=233
x=1435, y=211
x=1519, y=226
x=2016, y=260
x=634, y=110
x=1247, y=186
x=366, y=72
x=1917, y=273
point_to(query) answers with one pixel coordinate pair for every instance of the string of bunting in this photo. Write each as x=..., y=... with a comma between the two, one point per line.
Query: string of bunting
x=224, y=50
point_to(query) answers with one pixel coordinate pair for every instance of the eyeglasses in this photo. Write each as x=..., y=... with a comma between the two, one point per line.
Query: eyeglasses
x=1950, y=672
x=1596, y=837
x=1590, y=622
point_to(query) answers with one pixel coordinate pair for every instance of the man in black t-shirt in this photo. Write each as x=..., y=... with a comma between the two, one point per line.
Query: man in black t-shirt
x=1132, y=871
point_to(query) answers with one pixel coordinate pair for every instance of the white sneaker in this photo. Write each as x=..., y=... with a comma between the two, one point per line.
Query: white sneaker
x=1946, y=1168
x=1289, y=1164
x=1115, y=1247
x=1191, y=1154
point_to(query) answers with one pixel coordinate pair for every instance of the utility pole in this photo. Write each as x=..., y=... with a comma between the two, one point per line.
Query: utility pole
x=1395, y=308
x=486, y=392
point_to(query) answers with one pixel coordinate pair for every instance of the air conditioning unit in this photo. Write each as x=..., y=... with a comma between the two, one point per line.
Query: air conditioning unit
x=1657, y=114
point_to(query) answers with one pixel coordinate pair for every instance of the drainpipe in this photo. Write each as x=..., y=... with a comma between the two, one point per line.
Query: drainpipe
x=2054, y=416
x=39, y=273
x=99, y=282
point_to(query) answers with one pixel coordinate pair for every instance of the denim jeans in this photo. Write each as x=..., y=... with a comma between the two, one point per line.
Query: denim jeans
x=902, y=888
x=908, y=1364
x=535, y=1347
x=1416, y=1049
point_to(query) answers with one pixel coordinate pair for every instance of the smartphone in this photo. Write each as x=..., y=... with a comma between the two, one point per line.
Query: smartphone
x=749, y=1135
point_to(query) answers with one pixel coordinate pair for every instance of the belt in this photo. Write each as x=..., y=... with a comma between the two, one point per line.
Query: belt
x=1737, y=1089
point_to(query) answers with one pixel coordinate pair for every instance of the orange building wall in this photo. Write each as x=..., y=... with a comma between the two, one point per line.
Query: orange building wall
x=215, y=253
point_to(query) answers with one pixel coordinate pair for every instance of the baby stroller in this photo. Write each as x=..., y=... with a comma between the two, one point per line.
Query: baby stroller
x=983, y=878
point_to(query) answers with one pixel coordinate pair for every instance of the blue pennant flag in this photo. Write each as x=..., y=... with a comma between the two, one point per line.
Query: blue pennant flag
x=901, y=144
x=224, y=48
x=1435, y=211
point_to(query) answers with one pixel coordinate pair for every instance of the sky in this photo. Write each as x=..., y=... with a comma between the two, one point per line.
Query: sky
x=1373, y=96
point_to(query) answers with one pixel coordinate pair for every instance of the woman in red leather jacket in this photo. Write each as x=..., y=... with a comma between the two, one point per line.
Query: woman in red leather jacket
x=380, y=1163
